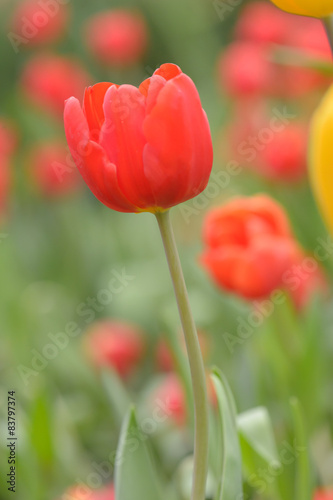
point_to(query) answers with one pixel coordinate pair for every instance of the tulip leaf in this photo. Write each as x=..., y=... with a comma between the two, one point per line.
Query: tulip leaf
x=304, y=479
x=255, y=427
x=230, y=484
x=135, y=474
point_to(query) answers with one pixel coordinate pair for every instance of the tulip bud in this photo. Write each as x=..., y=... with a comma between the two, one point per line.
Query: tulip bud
x=83, y=492
x=37, y=22
x=321, y=157
x=116, y=344
x=248, y=246
x=312, y=8
x=48, y=80
x=117, y=37
x=323, y=494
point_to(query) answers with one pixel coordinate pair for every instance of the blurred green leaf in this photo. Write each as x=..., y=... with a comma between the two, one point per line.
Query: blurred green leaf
x=135, y=475
x=230, y=484
x=304, y=485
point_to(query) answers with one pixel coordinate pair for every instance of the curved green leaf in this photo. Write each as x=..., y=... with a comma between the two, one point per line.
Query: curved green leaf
x=135, y=475
x=230, y=482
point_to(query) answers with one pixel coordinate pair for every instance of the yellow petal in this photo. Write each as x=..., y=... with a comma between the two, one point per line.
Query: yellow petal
x=313, y=8
x=321, y=157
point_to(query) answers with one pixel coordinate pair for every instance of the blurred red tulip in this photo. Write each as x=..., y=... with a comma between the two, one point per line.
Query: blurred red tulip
x=170, y=396
x=262, y=22
x=48, y=80
x=271, y=146
x=249, y=246
x=85, y=493
x=117, y=37
x=37, y=22
x=244, y=69
x=116, y=344
x=52, y=169
x=323, y=494
x=7, y=144
x=142, y=150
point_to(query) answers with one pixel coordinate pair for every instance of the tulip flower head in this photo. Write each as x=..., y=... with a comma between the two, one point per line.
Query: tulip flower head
x=323, y=494
x=48, y=80
x=85, y=493
x=141, y=149
x=117, y=37
x=248, y=246
x=321, y=157
x=312, y=8
x=116, y=344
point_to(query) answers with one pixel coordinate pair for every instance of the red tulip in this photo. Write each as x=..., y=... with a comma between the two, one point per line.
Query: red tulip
x=248, y=246
x=275, y=149
x=52, y=169
x=144, y=149
x=117, y=37
x=37, y=22
x=116, y=344
x=170, y=395
x=262, y=22
x=7, y=143
x=323, y=494
x=85, y=493
x=48, y=80
x=244, y=69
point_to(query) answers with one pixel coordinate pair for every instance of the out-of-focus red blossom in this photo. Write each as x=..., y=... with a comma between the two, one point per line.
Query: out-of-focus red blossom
x=38, y=22
x=117, y=37
x=52, y=169
x=267, y=145
x=307, y=280
x=271, y=24
x=116, y=344
x=244, y=69
x=142, y=149
x=247, y=66
x=7, y=145
x=170, y=396
x=323, y=494
x=48, y=80
x=164, y=358
x=248, y=246
x=84, y=493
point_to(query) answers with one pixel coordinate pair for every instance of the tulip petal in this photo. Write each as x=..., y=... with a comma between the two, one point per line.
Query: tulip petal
x=93, y=107
x=178, y=155
x=123, y=140
x=98, y=173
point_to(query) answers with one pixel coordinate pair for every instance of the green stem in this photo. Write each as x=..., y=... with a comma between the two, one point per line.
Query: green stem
x=195, y=358
x=328, y=25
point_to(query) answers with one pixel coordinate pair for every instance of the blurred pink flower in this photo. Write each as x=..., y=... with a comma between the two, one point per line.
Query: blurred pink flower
x=117, y=344
x=117, y=37
x=170, y=395
x=52, y=169
x=39, y=22
x=84, y=493
x=323, y=494
x=7, y=145
x=48, y=80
